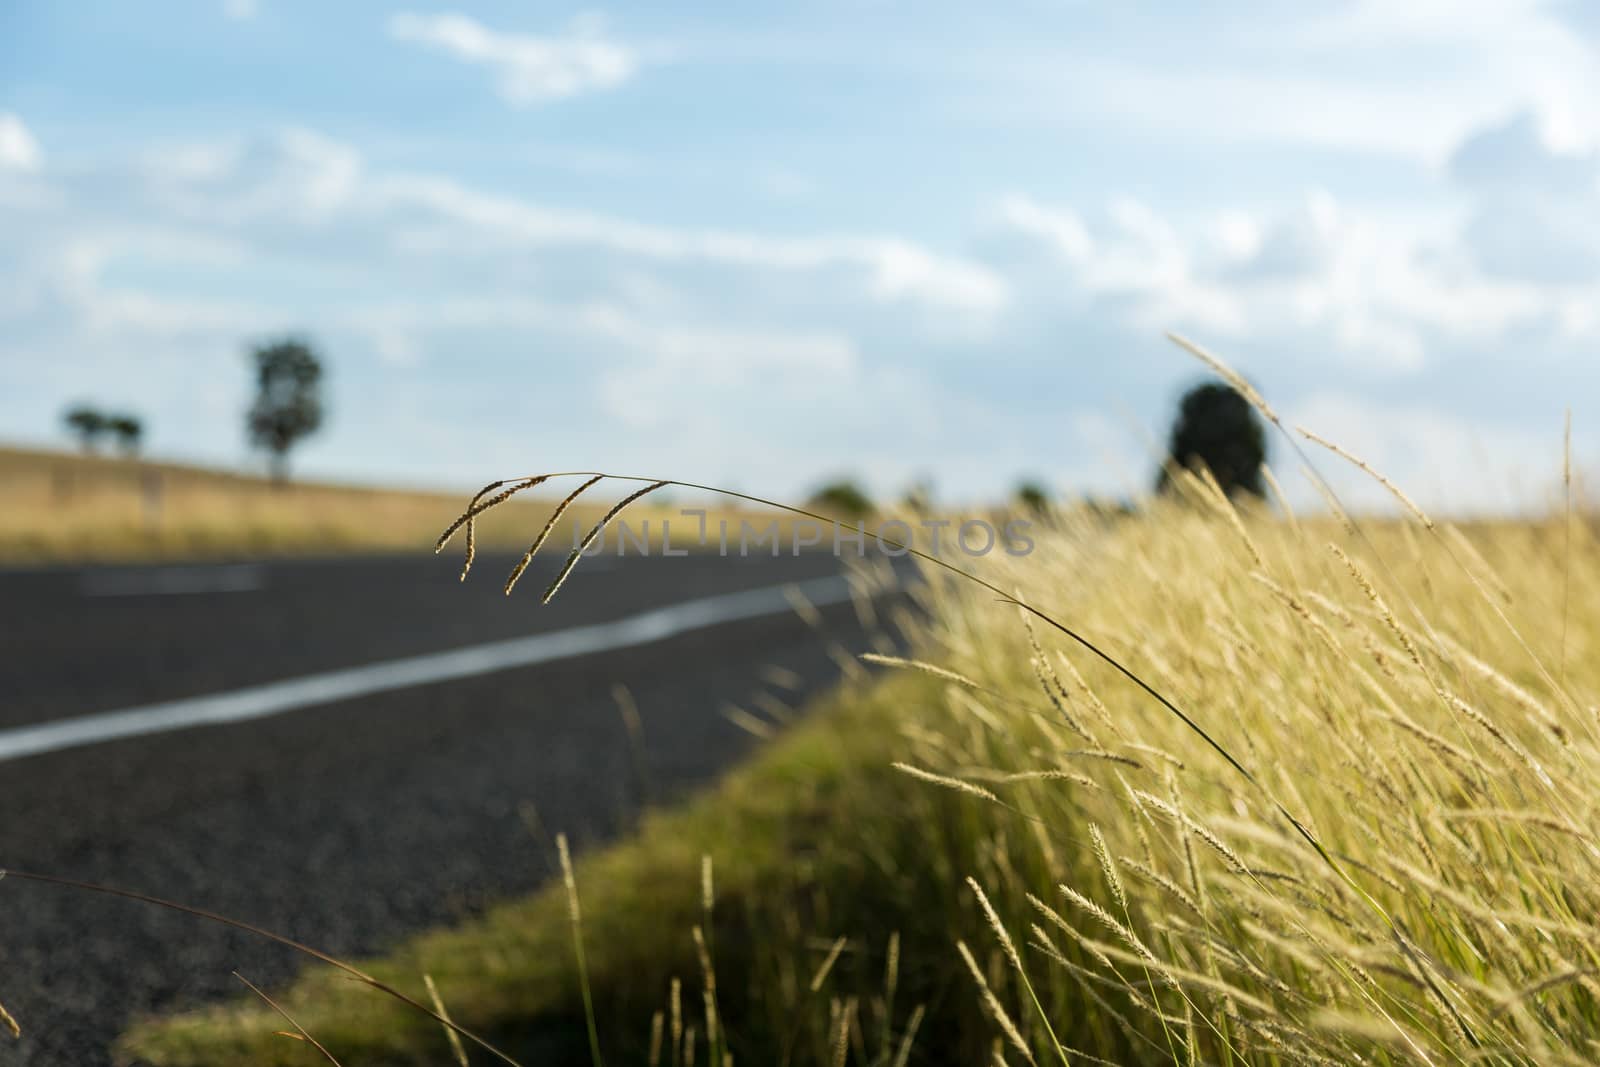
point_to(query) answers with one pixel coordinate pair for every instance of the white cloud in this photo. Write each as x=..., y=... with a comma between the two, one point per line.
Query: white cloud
x=189, y=250
x=531, y=69
x=1474, y=58
x=1393, y=290
x=1294, y=245
x=695, y=374
x=18, y=149
x=794, y=344
x=1061, y=230
x=892, y=269
x=240, y=10
x=1377, y=78
x=293, y=175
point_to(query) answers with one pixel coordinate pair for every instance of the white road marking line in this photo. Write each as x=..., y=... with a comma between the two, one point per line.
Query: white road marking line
x=275, y=698
x=171, y=581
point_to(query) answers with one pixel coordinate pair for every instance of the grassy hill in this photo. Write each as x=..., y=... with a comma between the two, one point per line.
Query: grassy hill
x=59, y=506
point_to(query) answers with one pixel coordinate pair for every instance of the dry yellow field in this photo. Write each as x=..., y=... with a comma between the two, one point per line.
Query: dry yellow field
x=57, y=506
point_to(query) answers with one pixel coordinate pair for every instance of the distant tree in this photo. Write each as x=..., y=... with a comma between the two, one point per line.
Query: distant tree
x=1031, y=496
x=128, y=430
x=87, y=424
x=1216, y=428
x=843, y=498
x=288, y=404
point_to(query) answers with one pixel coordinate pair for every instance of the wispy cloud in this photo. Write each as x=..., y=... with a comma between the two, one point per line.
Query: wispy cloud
x=531, y=69
x=1400, y=203
x=893, y=269
x=18, y=149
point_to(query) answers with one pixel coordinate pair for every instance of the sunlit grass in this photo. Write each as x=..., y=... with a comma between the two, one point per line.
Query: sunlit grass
x=70, y=508
x=1417, y=699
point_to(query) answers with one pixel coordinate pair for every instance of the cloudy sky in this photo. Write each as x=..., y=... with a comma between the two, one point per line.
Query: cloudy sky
x=759, y=244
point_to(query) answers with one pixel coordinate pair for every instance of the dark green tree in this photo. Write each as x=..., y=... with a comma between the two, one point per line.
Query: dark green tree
x=843, y=498
x=1032, y=497
x=1217, y=429
x=288, y=404
x=128, y=430
x=86, y=424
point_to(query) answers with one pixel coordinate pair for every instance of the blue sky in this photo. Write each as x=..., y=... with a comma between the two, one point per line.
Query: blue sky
x=762, y=244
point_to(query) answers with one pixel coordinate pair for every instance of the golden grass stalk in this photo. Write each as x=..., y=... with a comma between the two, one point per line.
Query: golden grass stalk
x=1015, y=959
x=456, y=1049
x=891, y=982
x=903, y=1054
x=1227, y=374
x=1106, y=919
x=1528, y=992
x=949, y=783
x=1382, y=607
x=575, y=915
x=544, y=533
x=656, y=1027
x=999, y=928
x=1053, y=774
x=1394, y=490
x=708, y=894
x=589, y=538
x=477, y=507
x=300, y=1032
x=1108, y=866
x=1279, y=497
x=925, y=667
x=841, y=1036
x=826, y=966
x=9, y=1021
x=992, y=1002
x=708, y=993
x=1176, y=891
x=675, y=1007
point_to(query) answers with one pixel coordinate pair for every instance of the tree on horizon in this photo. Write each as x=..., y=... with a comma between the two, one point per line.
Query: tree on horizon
x=288, y=405
x=87, y=424
x=1217, y=429
x=128, y=430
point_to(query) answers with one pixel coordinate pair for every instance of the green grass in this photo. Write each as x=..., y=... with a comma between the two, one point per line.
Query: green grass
x=813, y=840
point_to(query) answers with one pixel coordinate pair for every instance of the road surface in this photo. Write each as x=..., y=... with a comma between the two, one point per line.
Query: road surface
x=344, y=751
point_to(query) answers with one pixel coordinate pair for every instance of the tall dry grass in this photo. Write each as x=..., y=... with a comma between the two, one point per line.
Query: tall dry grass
x=65, y=507
x=1400, y=692
x=1387, y=844
x=1345, y=812
x=1390, y=856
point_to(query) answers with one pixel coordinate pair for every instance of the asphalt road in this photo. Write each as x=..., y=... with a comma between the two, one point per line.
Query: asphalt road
x=383, y=788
